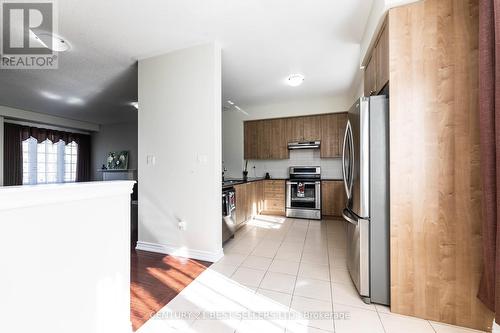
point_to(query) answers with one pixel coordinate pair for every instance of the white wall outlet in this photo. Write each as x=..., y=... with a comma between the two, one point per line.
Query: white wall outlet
x=182, y=225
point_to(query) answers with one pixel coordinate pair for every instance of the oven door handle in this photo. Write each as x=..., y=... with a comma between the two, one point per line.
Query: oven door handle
x=306, y=183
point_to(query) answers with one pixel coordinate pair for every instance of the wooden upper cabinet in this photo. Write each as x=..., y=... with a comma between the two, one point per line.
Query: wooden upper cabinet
x=382, y=50
x=341, y=125
x=250, y=140
x=263, y=139
x=371, y=76
x=312, y=128
x=294, y=129
x=377, y=68
x=278, y=149
x=268, y=139
x=332, y=134
x=329, y=136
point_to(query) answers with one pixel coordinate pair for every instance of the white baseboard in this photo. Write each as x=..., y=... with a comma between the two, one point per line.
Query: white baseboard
x=175, y=251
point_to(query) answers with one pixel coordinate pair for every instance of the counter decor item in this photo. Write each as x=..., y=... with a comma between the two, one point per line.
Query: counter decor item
x=117, y=160
x=267, y=175
x=245, y=172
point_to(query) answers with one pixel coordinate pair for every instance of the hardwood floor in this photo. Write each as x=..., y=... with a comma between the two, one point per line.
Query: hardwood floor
x=155, y=280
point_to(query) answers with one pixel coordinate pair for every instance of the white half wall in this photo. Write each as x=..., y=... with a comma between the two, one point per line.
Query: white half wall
x=1, y=150
x=69, y=248
x=232, y=135
x=180, y=153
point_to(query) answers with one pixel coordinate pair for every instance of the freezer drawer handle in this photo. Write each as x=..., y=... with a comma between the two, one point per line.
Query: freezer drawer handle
x=347, y=216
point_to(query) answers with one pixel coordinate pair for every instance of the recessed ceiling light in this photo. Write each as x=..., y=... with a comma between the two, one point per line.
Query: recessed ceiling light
x=50, y=95
x=135, y=105
x=75, y=101
x=295, y=80
x=56, y=43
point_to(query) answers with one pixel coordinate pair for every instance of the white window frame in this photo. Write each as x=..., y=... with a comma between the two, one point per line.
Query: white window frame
x=30, y=168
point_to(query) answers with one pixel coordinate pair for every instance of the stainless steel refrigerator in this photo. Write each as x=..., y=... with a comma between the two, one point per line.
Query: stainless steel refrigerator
x=365, y=167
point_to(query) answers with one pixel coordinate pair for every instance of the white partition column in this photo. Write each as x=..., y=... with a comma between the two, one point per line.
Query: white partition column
x=180, y=153
x=1, y=149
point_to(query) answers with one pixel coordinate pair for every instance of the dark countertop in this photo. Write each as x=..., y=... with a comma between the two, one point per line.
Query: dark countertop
x=233, y=182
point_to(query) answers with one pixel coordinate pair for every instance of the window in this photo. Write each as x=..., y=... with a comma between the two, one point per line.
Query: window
x=47, y=162
x=70, y=153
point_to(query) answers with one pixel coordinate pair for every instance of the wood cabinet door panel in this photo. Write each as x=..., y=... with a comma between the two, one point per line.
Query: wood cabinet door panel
x=263, y=139
x=294, y=129
x=339, y=198
x=329, y=136
x=274, y=196
x=342, y=124
x=312, y=128
x=370, y=75
x=250, y=140
x=333, y=198
x=241, y=203
x=382, y=56
x=332, y=134
x=278, y=140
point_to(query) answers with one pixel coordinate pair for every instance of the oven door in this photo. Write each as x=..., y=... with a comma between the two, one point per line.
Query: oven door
x=303, y=194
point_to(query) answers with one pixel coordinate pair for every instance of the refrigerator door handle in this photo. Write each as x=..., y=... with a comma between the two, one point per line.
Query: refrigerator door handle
x=348, y=217
x=351, y=155
x=344, y=172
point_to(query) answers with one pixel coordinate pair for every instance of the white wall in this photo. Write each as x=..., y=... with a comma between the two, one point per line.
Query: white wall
x=1, y=150
x=69, y=260
x=180, y=125
x=113, y=137
x=41, y=118
x=232, y=135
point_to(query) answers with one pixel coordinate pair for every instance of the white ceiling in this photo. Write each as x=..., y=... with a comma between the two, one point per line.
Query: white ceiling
x=262, y=40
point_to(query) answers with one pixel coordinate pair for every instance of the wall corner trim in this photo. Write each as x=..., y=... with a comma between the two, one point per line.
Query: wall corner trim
x=180, y=252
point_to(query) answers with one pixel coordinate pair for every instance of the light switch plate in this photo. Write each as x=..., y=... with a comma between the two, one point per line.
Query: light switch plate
x=202, y=159
x=150, y=159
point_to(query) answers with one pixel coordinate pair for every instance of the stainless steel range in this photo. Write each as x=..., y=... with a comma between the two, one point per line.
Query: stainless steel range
x=303, y=193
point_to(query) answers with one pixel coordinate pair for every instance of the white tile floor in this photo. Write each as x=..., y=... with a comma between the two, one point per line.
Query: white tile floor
x=290, y=272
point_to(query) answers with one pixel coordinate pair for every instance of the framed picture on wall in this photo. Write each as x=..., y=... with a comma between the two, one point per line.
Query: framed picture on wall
x=117, y=160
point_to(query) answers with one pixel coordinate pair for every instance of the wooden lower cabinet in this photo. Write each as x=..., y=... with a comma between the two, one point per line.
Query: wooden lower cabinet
x=241, y=203
x=333, y=198
x=249, y=201
x=274, y=197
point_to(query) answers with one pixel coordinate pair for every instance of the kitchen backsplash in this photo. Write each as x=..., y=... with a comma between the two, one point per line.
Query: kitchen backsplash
x=330, y=168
